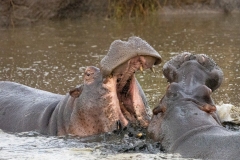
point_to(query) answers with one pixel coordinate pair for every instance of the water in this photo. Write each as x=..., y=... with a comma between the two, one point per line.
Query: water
x=34, y=146
x=53, y=55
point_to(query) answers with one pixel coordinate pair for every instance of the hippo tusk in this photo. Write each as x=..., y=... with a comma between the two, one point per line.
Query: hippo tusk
x=139, y=135
x=152, y=69
x=141, y=68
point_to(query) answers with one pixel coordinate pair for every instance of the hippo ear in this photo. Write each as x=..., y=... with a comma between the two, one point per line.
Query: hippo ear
x=75, y=93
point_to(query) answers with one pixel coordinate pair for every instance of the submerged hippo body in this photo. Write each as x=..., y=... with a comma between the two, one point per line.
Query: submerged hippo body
x=86, y=110
x=23, y=108
x=185, y=121
x=108, y=100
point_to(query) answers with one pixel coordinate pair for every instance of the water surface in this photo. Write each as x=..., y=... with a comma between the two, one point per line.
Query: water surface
x=53, y=55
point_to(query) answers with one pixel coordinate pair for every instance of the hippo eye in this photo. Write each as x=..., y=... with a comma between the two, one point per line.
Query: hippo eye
x=172, y=94
x=118, y=80
x=88, y=74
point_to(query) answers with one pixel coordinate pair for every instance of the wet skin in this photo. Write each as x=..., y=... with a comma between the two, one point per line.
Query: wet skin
x=185, y=121
x=109, y=99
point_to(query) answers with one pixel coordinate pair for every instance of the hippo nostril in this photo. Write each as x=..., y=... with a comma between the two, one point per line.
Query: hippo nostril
x=201, y=60
x=186, y=57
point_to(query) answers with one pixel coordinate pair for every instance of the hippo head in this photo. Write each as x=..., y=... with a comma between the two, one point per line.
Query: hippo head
x=111, y=97
x=179, y=116
x=175, y=105
x=187, y=98
x=120, y=64
x=190, y=69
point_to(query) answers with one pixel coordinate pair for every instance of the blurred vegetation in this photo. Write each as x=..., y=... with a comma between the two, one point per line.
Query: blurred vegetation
x=135, y=8
x=132, y=8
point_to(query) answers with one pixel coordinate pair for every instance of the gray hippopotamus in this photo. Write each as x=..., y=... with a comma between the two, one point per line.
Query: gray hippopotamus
x=184, y=121
x=110, y=98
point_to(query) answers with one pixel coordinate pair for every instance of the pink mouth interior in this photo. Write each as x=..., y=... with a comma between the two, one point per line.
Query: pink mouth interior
x=131, y=103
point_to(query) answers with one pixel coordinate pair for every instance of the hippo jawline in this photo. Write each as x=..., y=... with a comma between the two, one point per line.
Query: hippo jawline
x=131, y=98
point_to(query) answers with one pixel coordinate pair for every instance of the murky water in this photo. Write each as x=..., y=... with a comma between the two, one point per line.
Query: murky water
x=52, y=56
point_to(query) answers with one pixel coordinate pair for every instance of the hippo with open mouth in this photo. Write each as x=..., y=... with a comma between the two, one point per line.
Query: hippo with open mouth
x=109, y=99
x=185, y=121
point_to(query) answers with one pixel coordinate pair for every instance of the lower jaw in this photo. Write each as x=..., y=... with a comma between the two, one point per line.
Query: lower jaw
x=154, y=127
x=132, y=105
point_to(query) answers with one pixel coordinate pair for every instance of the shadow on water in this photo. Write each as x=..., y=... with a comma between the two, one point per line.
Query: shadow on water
x=53, y=56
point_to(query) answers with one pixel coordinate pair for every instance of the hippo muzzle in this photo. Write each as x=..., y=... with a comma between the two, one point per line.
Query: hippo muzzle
x=185, y=120
x=191, y=70
x=192, y=79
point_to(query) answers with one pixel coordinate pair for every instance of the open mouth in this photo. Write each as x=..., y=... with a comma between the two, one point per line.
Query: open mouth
x=125, y=72
x=130, y=96
x=124, y=58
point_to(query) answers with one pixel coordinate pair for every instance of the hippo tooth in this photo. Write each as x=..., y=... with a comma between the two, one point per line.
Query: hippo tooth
x=152, y=69
x=139, y=135
x=141, y=68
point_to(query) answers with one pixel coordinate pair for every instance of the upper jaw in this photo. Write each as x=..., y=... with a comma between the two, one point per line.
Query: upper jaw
x=123, y=83
x=128, y=90
x=125, y=71
x=121, y=51
x=124, y=58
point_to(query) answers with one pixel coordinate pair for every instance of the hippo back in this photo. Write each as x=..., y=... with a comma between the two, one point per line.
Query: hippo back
x=214, y=142
x=23, y=108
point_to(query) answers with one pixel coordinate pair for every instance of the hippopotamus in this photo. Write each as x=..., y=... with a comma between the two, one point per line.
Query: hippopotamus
x=185, y=121
x=109, y=99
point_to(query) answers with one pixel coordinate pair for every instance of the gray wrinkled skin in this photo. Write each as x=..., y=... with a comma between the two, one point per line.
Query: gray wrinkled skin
x=185, y=129
x=23, y=108
x=103, y=103
x=185, y=120
x=121, y=51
